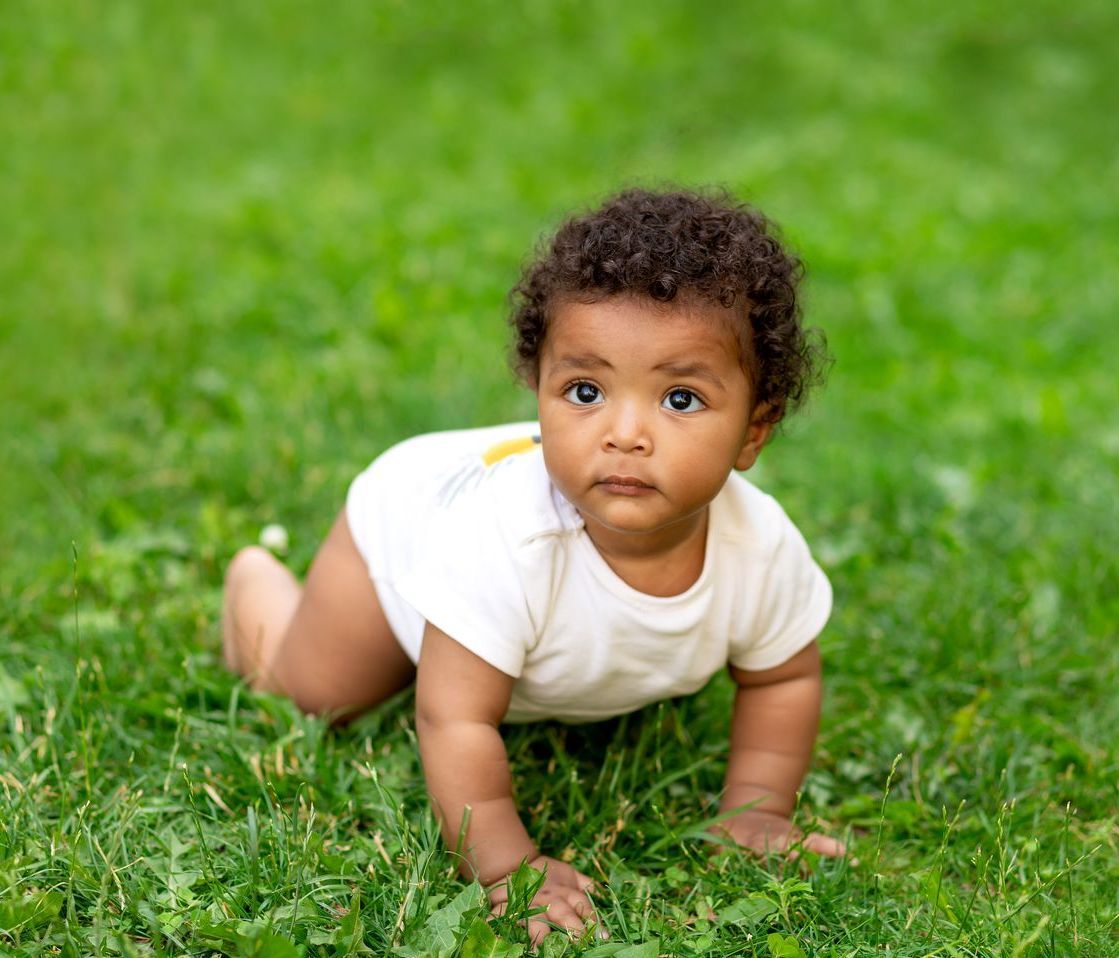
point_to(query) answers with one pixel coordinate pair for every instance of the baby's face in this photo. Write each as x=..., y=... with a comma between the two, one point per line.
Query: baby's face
x=644, y=410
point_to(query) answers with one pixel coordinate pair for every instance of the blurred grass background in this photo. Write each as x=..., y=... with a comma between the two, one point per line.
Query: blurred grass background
x=246, y=247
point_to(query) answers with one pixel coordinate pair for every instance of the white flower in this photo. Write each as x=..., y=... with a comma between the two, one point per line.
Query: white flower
x=274, y=537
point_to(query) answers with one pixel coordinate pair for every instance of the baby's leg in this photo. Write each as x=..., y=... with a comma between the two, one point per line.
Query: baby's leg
x=327, y=645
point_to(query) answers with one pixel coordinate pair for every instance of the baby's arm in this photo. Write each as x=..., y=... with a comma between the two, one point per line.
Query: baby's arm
x=776, y=713
x=460, y=700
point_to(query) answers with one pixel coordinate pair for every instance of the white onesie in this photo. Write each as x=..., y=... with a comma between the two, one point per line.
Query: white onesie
x=465, y=529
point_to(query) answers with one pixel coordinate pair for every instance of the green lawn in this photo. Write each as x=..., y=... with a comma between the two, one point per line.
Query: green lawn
x=243, y=250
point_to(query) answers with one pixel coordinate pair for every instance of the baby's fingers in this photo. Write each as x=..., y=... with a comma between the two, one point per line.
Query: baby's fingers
x=584, y=882
x=580, y=904
x=564, y=915
x=559, y=915
x=822, y=845
x=538, y=929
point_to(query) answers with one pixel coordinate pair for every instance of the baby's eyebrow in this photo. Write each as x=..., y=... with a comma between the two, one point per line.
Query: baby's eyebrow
x=582, y=362
x=692, y=370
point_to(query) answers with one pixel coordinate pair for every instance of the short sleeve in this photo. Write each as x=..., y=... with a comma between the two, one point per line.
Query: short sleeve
x=791, y=604
x=465, y=582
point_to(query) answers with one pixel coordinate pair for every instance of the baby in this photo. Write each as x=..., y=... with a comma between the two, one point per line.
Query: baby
x=585, y=565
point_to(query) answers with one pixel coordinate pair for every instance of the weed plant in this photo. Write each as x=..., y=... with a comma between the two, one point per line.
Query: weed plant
x=247, y=248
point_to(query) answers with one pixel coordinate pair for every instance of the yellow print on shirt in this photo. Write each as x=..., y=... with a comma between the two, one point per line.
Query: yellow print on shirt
x=509, y=447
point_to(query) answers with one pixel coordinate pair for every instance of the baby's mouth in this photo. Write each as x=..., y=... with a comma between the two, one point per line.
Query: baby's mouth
x=625, y=485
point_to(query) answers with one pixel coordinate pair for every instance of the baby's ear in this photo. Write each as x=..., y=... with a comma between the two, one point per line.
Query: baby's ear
x=757, y=434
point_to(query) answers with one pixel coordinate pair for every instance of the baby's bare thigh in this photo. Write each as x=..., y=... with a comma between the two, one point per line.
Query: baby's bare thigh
x=339, y=655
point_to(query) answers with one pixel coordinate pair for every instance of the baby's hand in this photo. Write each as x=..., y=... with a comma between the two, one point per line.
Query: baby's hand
x=563, y=894
x=768, y=832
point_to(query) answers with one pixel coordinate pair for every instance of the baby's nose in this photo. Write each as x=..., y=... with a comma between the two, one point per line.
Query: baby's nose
x=627, y=430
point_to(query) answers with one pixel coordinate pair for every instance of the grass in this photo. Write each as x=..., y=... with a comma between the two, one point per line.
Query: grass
x=244, y=250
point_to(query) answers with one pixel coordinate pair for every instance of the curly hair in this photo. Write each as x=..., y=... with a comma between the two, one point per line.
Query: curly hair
x=667, y=244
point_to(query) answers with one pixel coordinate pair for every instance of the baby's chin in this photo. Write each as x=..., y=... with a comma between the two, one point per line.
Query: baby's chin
x=632, y=523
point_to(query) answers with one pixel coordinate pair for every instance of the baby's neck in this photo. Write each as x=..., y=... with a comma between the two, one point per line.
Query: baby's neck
x=656, y=564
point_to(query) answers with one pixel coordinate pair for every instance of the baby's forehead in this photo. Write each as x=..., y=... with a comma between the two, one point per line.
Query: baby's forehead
x=700, y=320
x=673, y=334
x=687, y=306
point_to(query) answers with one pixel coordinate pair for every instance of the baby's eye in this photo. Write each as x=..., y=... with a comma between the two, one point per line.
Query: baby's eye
x=683, y=400
x=583, y=394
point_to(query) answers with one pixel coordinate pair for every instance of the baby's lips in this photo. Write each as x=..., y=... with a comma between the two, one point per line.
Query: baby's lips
x=626, y=481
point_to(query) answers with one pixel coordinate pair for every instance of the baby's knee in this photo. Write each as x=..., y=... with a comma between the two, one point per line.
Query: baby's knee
x=246, y=562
